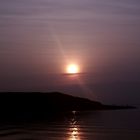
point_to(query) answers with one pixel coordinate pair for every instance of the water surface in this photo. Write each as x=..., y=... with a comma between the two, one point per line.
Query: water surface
x=96, y=125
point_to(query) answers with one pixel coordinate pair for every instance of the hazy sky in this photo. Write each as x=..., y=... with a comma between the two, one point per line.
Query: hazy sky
x=38, y=38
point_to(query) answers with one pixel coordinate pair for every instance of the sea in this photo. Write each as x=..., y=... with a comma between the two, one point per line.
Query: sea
x=87, y=125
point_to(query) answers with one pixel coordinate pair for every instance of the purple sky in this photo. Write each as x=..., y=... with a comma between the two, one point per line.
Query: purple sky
x=39, y=37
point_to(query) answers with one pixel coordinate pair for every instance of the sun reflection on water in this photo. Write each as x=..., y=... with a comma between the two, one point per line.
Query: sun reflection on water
x=74, y=133
x=74, y=130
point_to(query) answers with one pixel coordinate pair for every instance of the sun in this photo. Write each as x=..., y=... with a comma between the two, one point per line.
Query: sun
x=72, y=69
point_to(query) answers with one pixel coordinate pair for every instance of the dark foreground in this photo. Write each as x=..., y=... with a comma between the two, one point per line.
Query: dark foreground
x=82, y=125
x=43, y=105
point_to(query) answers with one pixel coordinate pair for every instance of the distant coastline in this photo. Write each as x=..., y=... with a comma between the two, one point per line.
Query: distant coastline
x=36, y=104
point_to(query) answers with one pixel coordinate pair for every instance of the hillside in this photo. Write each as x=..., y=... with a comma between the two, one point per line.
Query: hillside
x=35, y=104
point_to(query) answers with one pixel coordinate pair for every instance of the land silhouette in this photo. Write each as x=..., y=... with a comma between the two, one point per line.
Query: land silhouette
x=41, y=105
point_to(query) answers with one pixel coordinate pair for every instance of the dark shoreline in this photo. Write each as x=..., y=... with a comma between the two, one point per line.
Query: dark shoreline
x=43, y=105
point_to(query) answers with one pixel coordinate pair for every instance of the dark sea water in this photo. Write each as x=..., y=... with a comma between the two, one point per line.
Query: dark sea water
x=95, y=125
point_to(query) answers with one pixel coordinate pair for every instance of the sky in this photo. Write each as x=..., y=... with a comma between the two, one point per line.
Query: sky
x=38, y=38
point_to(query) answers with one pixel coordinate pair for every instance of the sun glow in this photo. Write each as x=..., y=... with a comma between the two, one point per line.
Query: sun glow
x=72, y=69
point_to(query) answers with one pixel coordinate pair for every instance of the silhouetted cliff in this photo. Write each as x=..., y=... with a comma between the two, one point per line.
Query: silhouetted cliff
x=42, y=104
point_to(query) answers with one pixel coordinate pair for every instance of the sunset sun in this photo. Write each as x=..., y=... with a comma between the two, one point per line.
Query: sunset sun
x=72, y=69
